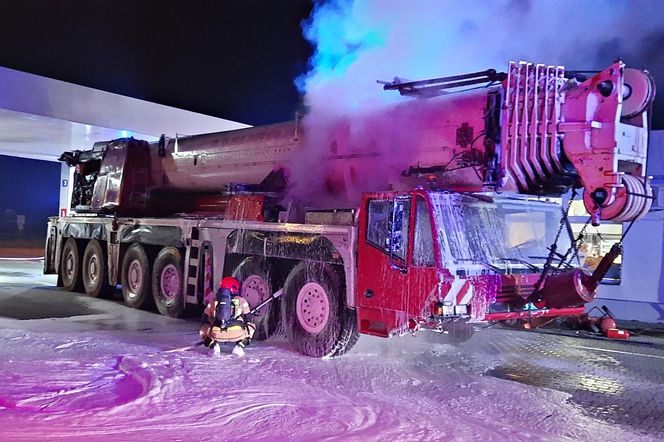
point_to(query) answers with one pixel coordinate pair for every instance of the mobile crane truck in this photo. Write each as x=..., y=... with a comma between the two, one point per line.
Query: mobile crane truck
x=451, y=223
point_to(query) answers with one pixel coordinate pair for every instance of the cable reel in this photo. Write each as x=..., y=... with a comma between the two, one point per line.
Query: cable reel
x=638, y=92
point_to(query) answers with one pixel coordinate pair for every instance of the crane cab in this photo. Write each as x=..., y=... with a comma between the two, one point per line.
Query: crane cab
x=425, y=257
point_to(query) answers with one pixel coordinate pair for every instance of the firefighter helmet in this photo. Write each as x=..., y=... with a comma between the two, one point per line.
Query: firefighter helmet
x=230, y=283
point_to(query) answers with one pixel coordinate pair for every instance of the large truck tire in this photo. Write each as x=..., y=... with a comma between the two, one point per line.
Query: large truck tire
x=95, y=272
x=136, y=277
x=256, y=286
x=70, y=267
x=315, y=317
x=167, y=282
x=349, y=335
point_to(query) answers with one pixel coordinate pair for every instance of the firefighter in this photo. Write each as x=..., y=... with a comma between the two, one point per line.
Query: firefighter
x=227, y=319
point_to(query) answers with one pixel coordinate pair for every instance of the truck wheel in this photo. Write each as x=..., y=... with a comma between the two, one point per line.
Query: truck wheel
x=70, y=267
x=95, y=275
x=315, y=317
x=136, y=279
x=349, y=335
x=257, y=285
x=167, y=281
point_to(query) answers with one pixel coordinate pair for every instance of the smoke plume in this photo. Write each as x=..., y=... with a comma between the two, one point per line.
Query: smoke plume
x=361, y=41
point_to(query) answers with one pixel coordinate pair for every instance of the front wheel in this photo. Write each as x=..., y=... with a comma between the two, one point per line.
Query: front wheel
x=136, y=280
x=316, y=319
x=167, y=283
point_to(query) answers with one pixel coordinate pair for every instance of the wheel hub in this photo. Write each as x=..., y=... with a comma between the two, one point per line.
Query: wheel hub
x=255, y=291
x=313, y=307
x=69, y=265
x=135, y=277
x=170, y=282
x=93, y=268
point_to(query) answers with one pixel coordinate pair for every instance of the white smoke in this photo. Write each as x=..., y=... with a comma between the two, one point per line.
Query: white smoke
x=359, y=42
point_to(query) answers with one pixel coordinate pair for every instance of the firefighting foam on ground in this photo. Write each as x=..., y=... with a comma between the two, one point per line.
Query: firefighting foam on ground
x=91, y=369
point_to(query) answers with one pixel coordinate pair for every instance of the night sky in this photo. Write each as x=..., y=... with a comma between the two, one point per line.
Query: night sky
x=233, y=59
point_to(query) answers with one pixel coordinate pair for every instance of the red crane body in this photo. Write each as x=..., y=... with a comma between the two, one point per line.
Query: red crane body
x=427, y=213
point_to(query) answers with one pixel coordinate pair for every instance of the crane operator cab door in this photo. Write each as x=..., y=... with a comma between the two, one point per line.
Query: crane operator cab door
x=396, y=263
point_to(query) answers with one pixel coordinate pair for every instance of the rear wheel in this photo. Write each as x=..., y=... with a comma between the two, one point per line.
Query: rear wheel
x=136, y=280
x=167, y=282
x=70, y=267
x=95, y=275
x=315, y=317
x=257, y=285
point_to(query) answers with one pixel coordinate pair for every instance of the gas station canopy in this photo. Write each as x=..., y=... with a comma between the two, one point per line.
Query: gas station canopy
x=41, y=117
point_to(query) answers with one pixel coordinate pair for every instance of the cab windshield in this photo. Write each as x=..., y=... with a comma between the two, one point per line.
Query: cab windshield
x=507, y=235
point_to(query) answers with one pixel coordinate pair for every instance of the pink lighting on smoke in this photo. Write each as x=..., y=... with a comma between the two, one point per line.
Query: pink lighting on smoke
x=359, y=42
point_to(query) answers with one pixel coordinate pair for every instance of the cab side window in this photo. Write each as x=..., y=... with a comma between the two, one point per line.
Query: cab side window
x=378, y=223
x=423, y=255
x=401, y=223
x=379, y=226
